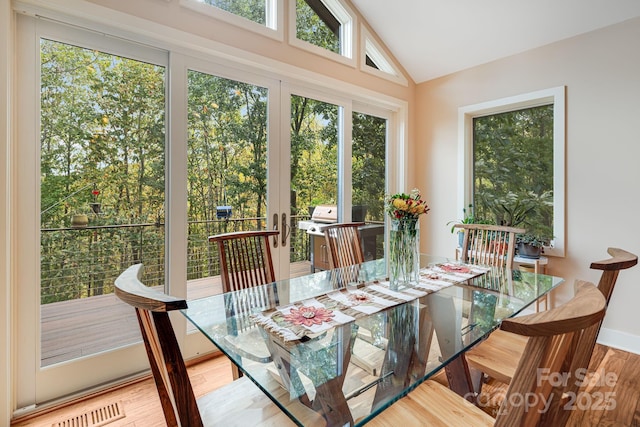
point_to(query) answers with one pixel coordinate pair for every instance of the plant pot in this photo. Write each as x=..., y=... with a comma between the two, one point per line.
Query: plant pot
x=528, y=251
x=79, y=220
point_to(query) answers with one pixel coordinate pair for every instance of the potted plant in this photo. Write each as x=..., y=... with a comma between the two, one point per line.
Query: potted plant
x=468, y=217
x=531, y=245
x=79, y=220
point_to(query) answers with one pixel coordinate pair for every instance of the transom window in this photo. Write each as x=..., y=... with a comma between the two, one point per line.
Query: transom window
x=323, y=26
x=261, y=16
x=253, y=10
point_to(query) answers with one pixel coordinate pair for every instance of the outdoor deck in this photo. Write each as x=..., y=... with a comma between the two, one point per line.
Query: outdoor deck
x=81, y=327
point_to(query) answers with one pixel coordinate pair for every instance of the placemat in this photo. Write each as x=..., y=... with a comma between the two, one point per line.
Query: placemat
x=316, y=315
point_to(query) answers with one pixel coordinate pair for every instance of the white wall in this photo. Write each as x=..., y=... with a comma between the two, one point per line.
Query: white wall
x=601, y=71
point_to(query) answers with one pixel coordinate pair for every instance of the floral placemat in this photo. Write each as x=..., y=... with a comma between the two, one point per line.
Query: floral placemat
x=316, y=315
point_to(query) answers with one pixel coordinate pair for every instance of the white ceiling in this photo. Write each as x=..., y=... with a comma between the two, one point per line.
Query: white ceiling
x=432, y=38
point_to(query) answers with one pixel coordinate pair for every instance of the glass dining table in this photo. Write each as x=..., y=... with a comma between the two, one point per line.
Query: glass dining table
x=347, y=344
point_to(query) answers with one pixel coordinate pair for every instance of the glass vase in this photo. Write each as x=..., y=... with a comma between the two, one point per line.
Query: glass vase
x=404, y=253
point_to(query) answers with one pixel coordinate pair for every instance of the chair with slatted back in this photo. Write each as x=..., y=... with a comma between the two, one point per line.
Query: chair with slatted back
x=498, y=355
x=551, y=349
x=245, y=258
x=245, y=262
x=489, y=244
x=239, y=403
x=344, y=244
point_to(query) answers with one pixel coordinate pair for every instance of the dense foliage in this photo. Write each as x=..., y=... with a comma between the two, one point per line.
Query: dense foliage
x=513, y=169
x=102, y=140
x=253, y=10
x=103, y=151
x=313, y=28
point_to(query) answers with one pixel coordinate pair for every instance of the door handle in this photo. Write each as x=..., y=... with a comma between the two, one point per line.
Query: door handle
x=286, y=229
x=275, y=227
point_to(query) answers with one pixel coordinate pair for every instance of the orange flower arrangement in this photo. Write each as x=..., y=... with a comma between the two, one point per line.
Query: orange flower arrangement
x=406, y=206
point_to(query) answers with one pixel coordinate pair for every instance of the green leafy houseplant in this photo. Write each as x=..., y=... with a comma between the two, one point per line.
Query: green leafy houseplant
x=530, y=245
x=467, y=218
x=534, y=240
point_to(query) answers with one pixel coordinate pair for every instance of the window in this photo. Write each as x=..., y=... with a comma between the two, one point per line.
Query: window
x=369, y=135
x=227, y=164
x=324, y=27
x=112, y=118
x=261, y=16
x=102, y=175
x=254, y=10
x=315, y=24
x=375, y=61
x=514, y=163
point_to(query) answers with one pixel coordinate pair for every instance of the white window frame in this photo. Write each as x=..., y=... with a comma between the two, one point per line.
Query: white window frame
x=386, y=66
x=555, y=96
x=273, y=16
x=348, y=25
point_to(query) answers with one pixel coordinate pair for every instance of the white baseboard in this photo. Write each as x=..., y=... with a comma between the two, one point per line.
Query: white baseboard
x=619, y=340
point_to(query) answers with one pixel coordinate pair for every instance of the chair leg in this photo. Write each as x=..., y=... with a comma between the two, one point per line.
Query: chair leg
x=237, y=373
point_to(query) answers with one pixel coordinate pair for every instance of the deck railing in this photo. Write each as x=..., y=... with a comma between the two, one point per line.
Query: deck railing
x=84, y=262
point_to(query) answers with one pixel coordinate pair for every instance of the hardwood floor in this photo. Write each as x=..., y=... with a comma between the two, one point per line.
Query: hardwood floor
x=613, y=373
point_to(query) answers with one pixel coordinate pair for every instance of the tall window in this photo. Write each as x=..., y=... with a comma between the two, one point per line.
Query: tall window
x=514, y=163
x=314, y=153
x=369, y=136
x=227, y=164
x=101, y=180
x=513, y=169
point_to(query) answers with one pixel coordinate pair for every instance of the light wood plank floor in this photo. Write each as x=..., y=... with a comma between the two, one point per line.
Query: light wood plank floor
x=142, y=407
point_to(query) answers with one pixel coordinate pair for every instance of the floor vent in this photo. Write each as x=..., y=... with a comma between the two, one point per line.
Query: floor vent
x=96, y=418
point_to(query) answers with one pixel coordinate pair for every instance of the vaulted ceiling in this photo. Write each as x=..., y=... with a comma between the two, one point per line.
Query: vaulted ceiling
x=433, y=38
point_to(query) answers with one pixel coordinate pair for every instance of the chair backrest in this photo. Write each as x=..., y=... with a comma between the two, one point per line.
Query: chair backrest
x=343, y=244
x=620, y=260
x=245, y=258
x=558, y=338
x=167, y=365
x=487, y=244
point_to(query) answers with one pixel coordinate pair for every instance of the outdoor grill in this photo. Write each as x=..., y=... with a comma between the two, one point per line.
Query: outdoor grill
x=321, y=217
x=325, y=215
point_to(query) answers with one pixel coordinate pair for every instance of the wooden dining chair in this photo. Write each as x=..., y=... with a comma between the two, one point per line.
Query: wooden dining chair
x=551, y=353
x=245, y=258
x=498, y=355
x=239, y=403
x=245, y=263
x=344, y=244
x=487, y=244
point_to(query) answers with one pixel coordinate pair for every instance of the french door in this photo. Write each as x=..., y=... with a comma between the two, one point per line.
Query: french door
x=131, y=154
x=93, y=177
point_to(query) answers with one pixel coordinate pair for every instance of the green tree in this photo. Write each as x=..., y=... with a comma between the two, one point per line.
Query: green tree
x=311, y=28
x=513, y=167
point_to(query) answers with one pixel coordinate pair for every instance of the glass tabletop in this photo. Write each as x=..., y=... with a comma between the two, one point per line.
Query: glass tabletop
x=362, y=345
